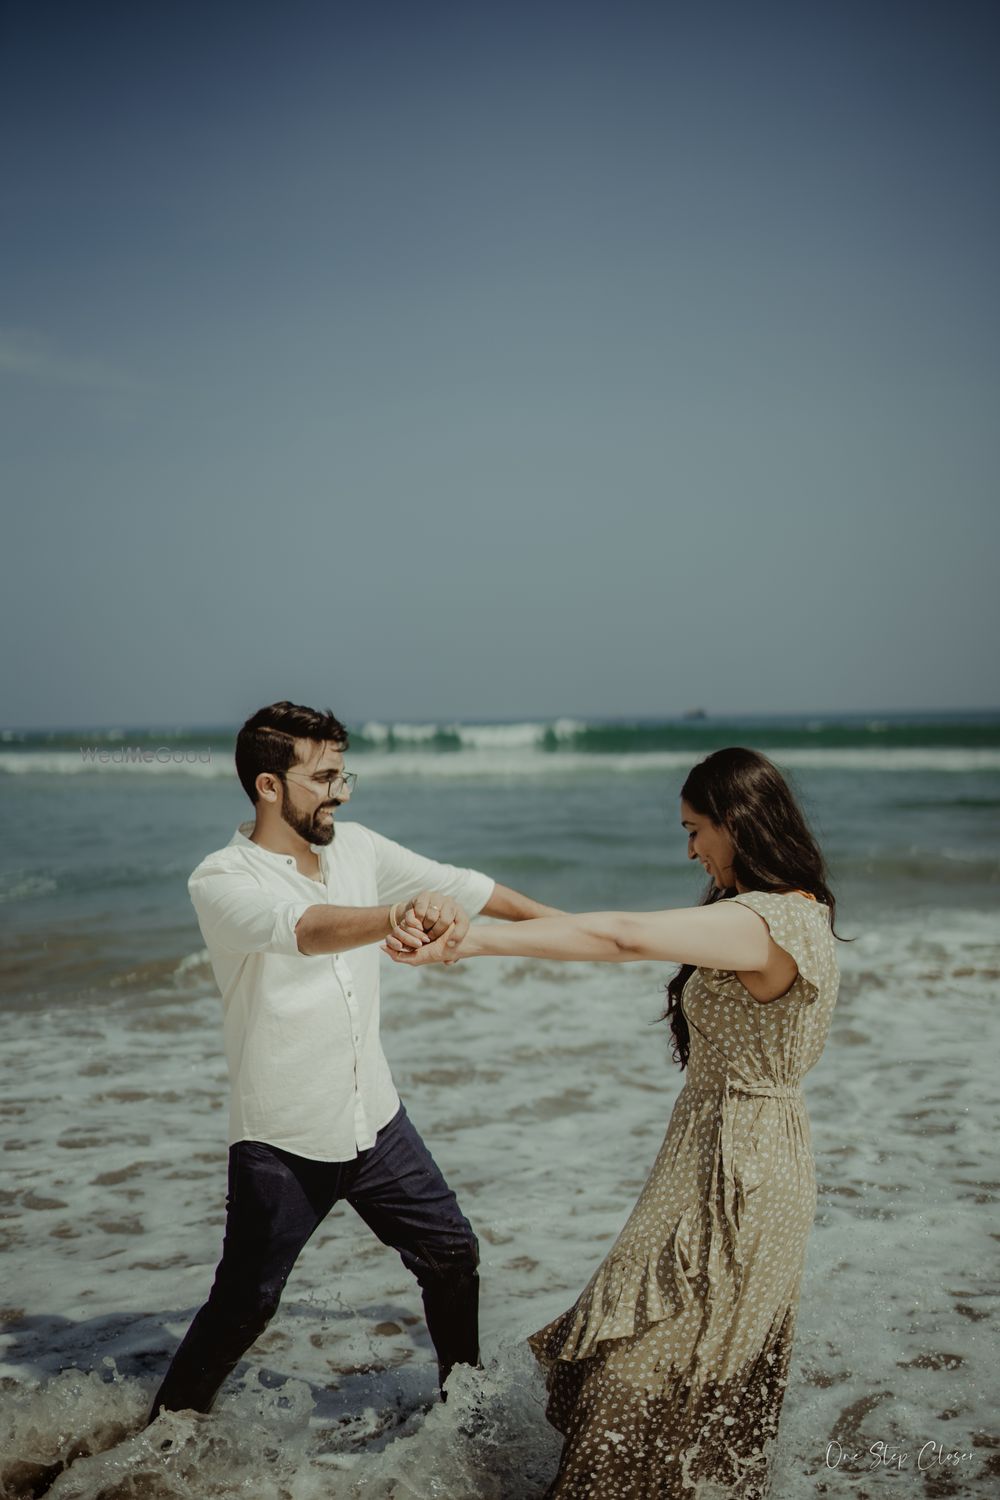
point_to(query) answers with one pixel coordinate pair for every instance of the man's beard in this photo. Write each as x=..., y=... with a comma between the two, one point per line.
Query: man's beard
x=310, y=826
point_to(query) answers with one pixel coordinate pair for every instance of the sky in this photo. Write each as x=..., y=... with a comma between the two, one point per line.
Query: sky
x=497, y=360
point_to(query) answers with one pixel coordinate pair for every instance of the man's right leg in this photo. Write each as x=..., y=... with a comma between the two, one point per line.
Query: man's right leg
x=399, y=1191
x=275, y=1202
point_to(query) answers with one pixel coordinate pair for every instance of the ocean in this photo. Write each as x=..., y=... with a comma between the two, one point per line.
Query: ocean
x=543, y=1090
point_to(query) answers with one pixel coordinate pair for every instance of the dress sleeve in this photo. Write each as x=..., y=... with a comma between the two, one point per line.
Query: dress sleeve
x=795, y=925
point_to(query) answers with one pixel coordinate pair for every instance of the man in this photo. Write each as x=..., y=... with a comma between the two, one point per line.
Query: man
x=292, y=918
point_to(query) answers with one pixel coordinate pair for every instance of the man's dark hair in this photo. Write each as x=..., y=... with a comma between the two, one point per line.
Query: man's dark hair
x=267, y=740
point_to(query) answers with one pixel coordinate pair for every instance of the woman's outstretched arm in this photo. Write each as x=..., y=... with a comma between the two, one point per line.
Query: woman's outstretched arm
x=725, y=935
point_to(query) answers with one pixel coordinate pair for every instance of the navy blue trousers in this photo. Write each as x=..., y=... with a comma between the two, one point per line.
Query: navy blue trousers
x=276, y=1201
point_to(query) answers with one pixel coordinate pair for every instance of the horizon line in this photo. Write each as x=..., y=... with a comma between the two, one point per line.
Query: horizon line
x=691, y=717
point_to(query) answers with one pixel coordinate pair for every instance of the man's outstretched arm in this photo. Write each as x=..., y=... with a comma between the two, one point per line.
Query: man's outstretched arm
x=237, y=913
x=511, y=906
x=336, y=929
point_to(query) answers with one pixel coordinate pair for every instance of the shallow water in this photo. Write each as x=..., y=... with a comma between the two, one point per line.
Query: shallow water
x=113, y=1215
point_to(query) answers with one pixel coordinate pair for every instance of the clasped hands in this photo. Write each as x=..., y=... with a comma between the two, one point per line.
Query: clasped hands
x=429, y=931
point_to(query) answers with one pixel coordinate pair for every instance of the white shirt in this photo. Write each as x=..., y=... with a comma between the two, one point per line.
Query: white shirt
x=306, y=1066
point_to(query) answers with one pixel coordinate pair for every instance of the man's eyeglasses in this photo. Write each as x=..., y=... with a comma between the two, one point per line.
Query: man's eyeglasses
x=330, y=785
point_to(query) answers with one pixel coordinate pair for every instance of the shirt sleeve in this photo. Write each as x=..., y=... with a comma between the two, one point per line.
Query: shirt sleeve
x=236, y=913
x=400, y=873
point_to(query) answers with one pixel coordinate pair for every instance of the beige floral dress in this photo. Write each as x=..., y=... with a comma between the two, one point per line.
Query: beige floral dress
x=668, y=1374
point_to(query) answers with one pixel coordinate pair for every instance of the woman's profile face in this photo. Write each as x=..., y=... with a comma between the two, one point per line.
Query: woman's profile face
x=709, y=844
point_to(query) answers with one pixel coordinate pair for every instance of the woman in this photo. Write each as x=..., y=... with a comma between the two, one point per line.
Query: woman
x=671, y=1366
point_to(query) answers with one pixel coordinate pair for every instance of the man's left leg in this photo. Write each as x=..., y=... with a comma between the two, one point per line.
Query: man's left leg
x=401, y=1194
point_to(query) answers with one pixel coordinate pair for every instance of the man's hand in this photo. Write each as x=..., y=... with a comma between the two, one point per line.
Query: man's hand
x=435, y=917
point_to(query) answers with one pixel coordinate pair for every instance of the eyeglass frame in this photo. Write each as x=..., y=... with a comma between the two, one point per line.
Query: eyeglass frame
x=340, y=779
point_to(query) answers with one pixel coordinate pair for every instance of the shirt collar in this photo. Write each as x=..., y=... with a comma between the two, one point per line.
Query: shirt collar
x=242, y=840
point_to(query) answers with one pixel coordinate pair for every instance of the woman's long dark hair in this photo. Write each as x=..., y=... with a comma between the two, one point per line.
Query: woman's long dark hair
x=743, y=792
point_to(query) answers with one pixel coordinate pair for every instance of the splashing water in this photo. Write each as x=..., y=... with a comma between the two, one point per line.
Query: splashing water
x=80, y=1437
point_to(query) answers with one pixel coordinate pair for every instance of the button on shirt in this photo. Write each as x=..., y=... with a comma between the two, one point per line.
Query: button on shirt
x=306, y=1067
